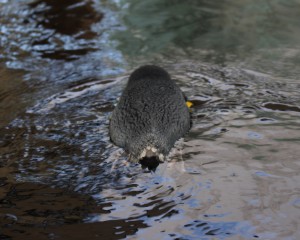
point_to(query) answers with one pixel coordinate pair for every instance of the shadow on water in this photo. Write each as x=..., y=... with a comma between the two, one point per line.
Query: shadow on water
x=234, y=176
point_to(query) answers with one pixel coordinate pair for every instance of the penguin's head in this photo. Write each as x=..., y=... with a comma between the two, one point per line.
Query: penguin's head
x=148, y=72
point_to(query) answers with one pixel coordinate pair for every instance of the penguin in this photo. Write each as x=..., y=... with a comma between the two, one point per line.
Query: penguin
x=150, y=116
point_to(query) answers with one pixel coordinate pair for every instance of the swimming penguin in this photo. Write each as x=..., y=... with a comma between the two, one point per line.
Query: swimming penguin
x=150, y=116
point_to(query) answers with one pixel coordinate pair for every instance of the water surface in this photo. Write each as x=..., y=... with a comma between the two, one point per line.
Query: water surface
x=63, y=66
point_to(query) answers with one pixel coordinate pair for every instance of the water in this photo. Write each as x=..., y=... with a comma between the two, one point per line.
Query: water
x=234, y=176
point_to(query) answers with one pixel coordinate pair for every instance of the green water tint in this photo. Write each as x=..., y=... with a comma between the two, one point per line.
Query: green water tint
x=262, y=35
x=234, y=176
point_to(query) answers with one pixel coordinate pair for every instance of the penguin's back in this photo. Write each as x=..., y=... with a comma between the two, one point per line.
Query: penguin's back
x=151, y=113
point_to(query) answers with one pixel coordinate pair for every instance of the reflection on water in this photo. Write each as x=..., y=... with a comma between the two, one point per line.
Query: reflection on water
x=11, y=90
x=68, y=17
x=234, y=176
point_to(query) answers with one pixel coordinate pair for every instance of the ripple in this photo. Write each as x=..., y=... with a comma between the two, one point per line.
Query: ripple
x=281, y=107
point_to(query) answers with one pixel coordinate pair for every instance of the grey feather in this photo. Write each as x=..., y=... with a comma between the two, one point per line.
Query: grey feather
x=151, y=113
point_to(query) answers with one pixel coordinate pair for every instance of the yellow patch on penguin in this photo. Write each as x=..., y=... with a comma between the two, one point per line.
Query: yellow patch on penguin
x=189, y=104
